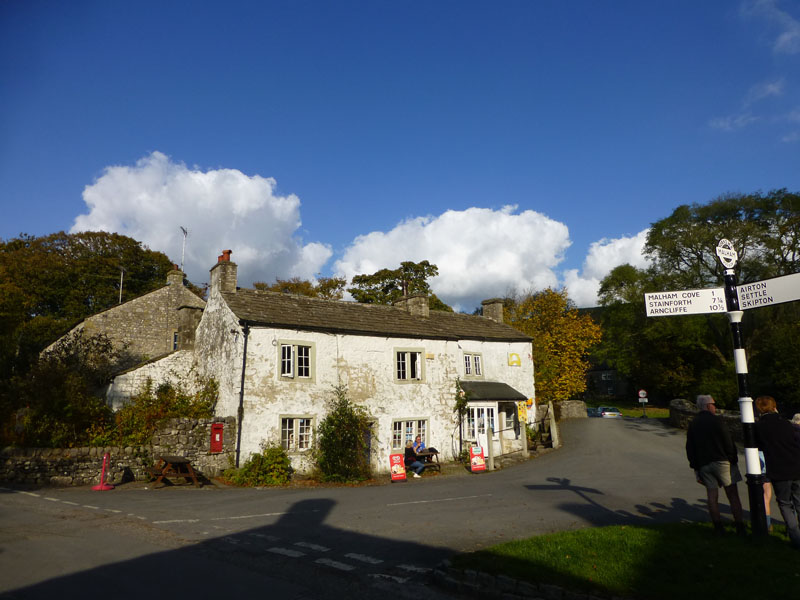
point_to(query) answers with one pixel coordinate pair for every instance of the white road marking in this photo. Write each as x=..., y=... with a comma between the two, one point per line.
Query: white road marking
x=414, y=569
x=335, y=564
x=263, y=536
x=364, y=558
x=70, y=503
x=287, y=552
x=391, y=577
x=29, y=494
x=276, y=514
x=112, y=510
x=439, y=500
x=92, y=507
x=50, y=499
x=316, y=547
x=176, y=521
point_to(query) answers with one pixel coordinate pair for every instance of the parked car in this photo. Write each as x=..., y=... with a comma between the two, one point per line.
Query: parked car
x=609, y=412
x=591, y=411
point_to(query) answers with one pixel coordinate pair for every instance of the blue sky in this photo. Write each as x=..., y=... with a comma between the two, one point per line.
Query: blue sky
x=515, y=144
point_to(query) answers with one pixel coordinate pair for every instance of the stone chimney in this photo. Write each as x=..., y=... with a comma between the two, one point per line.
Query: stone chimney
x=493, y=309
x=188, y=320
x=223, y=274
x=416, y=305
x=175, y=276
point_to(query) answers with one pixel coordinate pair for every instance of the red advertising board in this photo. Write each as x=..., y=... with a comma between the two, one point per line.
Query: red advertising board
x=397, y=467
x=476, y=462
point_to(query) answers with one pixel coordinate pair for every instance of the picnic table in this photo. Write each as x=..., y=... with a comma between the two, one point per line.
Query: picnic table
x=169, y=467
x=430, y=458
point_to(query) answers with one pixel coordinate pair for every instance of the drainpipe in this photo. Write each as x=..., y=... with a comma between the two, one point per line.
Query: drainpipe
x=240, y=412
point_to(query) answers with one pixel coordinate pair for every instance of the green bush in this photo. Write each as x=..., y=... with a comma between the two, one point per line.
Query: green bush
x=139, y=418
x=59, y=401
x=342, y=440
x=269, y=467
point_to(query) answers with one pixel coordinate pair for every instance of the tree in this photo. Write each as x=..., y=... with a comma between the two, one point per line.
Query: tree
x=48, y=284
x=60, y=394
x=683, y=356
x=390, y=285
x=562, y=337
x=327, y=288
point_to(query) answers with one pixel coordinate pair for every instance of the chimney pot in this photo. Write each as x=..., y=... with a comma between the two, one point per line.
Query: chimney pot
x=225, y=256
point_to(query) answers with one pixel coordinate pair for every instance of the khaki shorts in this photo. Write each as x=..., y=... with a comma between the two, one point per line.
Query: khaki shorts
x=719, y=474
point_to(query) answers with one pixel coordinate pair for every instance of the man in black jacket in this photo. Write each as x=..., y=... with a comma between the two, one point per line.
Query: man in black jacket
x=712, y=455
x=779, y=441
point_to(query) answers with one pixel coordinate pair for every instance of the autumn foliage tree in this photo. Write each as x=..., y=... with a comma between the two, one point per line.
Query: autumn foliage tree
x=562, y=339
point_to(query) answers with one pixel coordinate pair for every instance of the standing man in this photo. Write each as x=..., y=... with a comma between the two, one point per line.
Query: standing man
x=712, y=455
x=778, y=438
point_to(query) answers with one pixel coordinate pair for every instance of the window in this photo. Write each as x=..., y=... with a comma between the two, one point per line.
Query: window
x=408, y=365
x=478, y=419
x=296, y=433
x=511, y=413
x=174, y=340
x=296, y=360
x=407, y=430
x=473, y=365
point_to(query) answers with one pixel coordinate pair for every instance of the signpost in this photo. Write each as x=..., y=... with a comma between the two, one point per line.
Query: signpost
x=643, y=402
x=733, y=299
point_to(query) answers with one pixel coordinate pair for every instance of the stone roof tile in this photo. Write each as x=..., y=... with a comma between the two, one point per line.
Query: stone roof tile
x=301, y=312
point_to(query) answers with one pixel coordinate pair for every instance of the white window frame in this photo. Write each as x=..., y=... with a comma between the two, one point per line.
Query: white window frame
x=475, y=420
x=407, y=430
x=473, y=365
x=296, y=360
x=297, y=433
x=409, y=366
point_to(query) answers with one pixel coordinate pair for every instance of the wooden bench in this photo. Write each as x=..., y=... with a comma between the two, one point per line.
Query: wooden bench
x=430, y=460
x=171, y=467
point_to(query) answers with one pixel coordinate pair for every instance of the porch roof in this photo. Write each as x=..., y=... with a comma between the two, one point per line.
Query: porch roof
x=491, y=390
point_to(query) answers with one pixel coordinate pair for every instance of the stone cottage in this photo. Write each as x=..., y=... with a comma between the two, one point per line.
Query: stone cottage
x=155, y=331
x=278, y=358
x=151, y=325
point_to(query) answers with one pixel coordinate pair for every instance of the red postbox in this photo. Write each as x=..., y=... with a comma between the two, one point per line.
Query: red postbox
x=216, y=437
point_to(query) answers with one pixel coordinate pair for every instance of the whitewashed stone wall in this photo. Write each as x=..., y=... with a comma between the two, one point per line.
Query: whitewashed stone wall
x=174, y=368
x=364, y=364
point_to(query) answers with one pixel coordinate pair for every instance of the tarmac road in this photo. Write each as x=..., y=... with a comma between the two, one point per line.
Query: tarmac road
x=368, y=542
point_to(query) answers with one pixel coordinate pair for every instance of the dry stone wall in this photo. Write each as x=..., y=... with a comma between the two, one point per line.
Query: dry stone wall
x=190, y=438
x=681, y=412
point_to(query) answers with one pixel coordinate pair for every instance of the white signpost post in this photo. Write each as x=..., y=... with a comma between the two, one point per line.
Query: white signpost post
x=732, y=300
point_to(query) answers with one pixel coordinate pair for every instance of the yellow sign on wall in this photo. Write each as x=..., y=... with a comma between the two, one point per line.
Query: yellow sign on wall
x=514, y=360
x=522, y=411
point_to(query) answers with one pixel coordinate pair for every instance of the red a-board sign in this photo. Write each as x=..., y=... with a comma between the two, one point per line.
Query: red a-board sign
x=397, y=467
x=476, y=462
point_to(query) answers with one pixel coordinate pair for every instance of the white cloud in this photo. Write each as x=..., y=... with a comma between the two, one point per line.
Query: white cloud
x=788, y=27
x=222, y=208
x=732, y=123
x=764, y=90
x=481, y=253
x=603, y=256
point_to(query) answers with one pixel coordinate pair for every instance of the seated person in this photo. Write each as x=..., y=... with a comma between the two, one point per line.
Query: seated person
x=411, y=460
x=419, y=446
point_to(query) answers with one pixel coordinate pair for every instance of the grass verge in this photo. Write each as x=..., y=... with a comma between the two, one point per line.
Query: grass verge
x=659, y=562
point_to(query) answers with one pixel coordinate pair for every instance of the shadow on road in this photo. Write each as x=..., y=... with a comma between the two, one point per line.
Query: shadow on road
x=591, y=508
x=299, y=556
x=659, y=427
